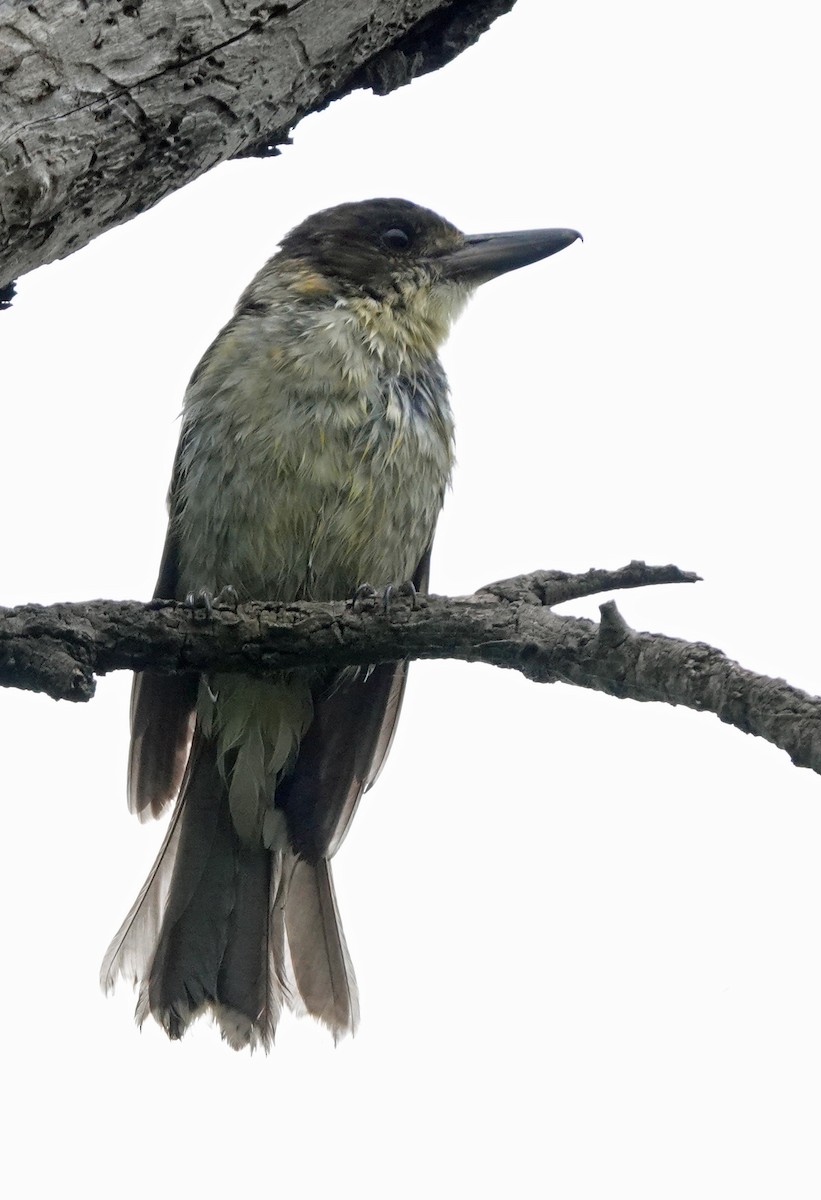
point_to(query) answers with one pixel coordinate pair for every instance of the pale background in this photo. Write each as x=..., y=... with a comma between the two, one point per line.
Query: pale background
x=587, y=932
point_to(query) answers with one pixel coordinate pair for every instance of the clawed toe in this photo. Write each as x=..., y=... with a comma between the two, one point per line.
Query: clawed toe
x=203, y=602
x=365, y=592
x=361, y=594
x=227, y=597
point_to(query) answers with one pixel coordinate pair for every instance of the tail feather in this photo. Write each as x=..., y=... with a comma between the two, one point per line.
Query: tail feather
x=132, y=948
x=236, y=930
x=249, y=999
x=319, y=954
x=184, y=975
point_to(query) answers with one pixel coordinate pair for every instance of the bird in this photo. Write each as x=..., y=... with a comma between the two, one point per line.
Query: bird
x=315, y=449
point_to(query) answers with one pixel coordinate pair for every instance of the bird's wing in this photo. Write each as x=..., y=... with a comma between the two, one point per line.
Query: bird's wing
x=343, y=750
x=162, y=710
x=420, y=580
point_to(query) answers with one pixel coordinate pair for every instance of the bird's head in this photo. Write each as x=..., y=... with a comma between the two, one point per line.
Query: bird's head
x=404, y=270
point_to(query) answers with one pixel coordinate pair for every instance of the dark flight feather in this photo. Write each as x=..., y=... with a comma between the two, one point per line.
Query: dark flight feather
x=343, y=751
x=162, y=715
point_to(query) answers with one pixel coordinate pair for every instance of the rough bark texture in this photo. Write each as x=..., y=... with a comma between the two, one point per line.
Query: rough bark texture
x=57, y=650
x=106, y=106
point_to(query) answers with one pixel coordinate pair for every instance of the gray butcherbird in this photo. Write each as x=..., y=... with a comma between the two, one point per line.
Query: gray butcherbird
x=316, y=446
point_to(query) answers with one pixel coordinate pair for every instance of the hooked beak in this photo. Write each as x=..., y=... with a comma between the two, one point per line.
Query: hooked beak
x=486, y=255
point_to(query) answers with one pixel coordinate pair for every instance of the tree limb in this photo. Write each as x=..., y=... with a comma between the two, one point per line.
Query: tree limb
x=108, y=106
x=59, y=649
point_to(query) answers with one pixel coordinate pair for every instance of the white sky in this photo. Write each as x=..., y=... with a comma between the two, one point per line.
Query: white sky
x=587, y=933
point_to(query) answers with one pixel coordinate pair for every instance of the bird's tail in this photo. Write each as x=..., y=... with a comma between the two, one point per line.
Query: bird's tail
x=235, y=930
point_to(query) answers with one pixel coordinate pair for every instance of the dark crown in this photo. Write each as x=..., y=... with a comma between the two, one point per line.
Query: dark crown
x=366, y=244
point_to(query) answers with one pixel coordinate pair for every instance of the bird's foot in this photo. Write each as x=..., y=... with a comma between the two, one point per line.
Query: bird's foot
x=227, y=597
x=408, y=588
x=365, y=593
x=361, y=595
x=203, y=602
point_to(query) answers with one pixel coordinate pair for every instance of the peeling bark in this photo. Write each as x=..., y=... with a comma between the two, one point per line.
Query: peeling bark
x=106, y=106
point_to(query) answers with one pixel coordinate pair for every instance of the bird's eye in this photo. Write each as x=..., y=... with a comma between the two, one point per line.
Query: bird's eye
x=396, y=239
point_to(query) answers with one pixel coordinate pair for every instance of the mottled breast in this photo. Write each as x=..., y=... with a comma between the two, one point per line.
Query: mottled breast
x=310, y=462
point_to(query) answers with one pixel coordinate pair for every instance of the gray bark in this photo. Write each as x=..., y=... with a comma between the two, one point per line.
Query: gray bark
x=106, y=106
x=511, y=624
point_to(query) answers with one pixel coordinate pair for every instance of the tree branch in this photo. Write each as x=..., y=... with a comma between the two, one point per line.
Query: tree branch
x=59, y=649
x=107, y=107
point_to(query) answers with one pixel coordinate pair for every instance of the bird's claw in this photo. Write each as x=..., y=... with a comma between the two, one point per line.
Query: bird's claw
x=227, y=597
x=408, y=588
x=365, y=592
x=203, y=602
x=361, y=594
